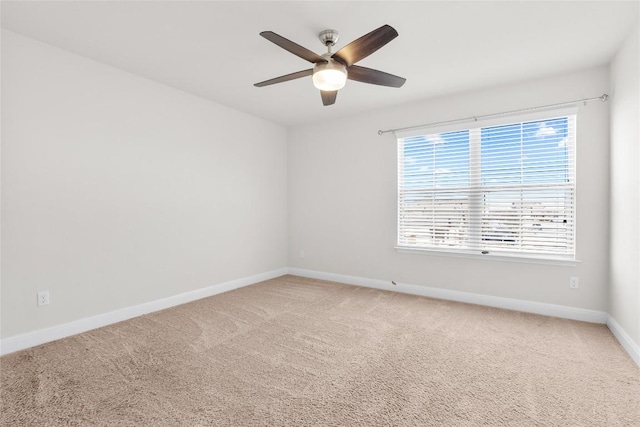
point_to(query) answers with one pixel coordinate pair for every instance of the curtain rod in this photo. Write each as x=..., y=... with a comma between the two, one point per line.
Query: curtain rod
x=602, y=98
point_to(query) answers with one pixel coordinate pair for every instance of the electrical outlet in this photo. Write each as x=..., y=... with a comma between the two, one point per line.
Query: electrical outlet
x=43, y=298
x=573, y=282
x=301, y=253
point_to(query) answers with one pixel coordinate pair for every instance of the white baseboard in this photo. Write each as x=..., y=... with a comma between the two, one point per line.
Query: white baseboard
x=625, y=340
x=31, y=339
x=42, y=336
x=545, y=309
x=592, y=316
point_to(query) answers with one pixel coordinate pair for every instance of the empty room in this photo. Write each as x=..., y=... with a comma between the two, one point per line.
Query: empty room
x=319, y=213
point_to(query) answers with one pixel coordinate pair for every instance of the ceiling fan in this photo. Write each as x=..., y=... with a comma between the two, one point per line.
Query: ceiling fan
x=331, y=70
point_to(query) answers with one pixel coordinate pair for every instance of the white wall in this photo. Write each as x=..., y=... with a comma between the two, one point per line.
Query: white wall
x=624, y=285
x=342, y=197
x=118, y=191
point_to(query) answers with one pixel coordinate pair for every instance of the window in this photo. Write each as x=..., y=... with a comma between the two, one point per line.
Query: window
x=503, y=187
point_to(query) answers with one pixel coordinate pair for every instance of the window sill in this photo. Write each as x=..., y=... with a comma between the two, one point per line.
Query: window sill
x=526, y=259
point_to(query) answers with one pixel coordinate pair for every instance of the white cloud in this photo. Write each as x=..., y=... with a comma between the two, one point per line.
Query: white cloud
x=563, y=143
x=545, y=131
x=435, y=139
x=443, y=171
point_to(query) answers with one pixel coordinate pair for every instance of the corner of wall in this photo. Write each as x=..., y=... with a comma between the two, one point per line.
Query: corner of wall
x=624, y=202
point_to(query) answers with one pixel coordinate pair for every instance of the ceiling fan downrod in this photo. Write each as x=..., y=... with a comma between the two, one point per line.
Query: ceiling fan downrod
x=328, y=38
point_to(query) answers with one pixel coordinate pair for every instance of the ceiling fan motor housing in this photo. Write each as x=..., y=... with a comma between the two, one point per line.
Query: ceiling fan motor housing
x=328, y=37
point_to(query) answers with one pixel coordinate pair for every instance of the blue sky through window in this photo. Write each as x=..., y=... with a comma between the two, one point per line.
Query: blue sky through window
x=523, y=153
x=437, y=161
x=524, y=201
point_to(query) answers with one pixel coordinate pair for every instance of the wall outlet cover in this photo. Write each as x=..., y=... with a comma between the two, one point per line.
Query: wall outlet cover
x=43, y=298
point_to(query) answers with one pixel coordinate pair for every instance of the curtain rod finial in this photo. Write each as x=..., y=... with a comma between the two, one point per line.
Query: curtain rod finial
x=604, y=97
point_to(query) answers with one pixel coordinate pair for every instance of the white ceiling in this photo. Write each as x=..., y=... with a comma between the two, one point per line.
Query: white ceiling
x=213, y=50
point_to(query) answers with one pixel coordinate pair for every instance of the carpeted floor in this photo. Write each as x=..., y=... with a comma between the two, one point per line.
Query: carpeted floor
x=299, y=352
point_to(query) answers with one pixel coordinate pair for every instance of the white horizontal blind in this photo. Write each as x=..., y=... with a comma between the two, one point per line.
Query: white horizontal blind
x=506, y=188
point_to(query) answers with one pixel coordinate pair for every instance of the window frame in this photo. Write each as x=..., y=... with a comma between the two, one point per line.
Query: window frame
x=488, y=253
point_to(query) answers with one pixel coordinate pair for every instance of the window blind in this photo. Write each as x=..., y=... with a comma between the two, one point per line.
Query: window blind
x=505, y=188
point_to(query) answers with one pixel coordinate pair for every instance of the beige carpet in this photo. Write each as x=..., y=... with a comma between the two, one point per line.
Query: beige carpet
x=296, y=352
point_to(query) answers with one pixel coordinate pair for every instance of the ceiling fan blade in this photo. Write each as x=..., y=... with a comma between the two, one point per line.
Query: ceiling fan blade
x=328, y=97
x=365, y=45
x=285, y=78
x=374, y=77
x=292, y=47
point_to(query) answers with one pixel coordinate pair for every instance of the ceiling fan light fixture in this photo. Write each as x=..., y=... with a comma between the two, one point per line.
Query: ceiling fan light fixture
x=331, y=70
x=329, y=76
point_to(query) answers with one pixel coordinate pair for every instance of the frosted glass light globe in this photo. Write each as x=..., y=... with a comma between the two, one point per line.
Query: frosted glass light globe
x=329, y=76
